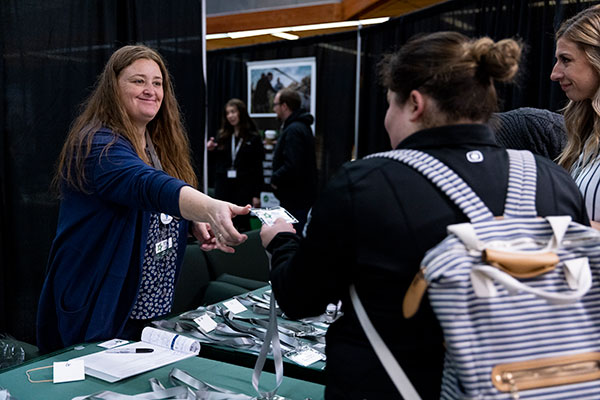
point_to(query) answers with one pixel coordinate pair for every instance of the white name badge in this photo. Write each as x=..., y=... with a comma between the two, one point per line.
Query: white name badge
x=305, y=356
x=234, y=306
x=231, y=173
x=164, y=245
x=68, y=371
x=165, y=219
x=205, y=322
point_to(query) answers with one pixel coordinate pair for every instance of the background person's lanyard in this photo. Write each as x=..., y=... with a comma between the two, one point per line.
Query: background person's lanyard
x=231, y=172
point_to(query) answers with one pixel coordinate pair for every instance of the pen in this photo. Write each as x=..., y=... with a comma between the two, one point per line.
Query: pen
x=130, y=350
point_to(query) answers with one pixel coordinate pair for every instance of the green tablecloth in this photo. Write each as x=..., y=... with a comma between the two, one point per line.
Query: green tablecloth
x=227, y=376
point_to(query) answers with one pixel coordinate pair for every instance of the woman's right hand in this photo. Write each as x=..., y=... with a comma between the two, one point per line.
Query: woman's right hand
x=220, y=215
x=196, y=206
x=211, y=144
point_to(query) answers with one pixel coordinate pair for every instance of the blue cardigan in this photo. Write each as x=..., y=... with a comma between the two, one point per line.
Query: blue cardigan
x=94, y=266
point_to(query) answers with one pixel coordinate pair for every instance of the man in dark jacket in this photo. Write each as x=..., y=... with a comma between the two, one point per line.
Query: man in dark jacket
x=294, y=179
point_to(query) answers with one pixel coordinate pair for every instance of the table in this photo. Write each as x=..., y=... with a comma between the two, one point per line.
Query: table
x=313, y=373
x=227, y=376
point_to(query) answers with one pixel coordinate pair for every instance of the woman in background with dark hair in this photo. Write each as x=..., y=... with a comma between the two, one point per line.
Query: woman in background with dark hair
x=239, y=153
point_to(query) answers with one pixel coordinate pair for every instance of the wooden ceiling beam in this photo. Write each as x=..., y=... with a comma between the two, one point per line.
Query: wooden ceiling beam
x=352, y=9
x=275, y=18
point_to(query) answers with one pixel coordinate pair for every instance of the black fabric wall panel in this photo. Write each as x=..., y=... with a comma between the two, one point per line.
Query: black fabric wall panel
x=53, y=51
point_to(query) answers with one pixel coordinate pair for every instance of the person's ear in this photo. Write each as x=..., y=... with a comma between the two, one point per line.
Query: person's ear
x=417, y=103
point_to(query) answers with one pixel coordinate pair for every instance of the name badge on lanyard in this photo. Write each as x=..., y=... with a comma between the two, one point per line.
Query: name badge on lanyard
x=164, y=245
x=231, y=172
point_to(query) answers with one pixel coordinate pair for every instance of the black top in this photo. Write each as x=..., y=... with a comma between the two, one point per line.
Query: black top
x=294, y=163
x=248, y=182
x=372, y=226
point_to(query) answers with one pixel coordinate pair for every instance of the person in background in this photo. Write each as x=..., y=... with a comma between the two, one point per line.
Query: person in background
x=373, y=223
x=539, y=131
x=263, y=93
x=127, y=193
x=239, y=155
x=577, y=70
x=294, y=179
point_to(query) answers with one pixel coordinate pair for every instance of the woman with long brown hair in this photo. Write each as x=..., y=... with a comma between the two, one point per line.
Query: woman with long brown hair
x=127, y=192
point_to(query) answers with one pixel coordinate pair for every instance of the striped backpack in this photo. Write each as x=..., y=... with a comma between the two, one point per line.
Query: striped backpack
x=517, y=297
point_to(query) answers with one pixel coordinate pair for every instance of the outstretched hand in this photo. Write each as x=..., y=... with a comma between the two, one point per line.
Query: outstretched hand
x=220, y=215
x=267, y=233
x=206, y=237
x=196, y=206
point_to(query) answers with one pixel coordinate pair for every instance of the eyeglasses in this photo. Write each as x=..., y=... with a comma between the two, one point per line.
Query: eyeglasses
x=276, y=104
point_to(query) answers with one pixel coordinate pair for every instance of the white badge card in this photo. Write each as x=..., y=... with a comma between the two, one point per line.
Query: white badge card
x=164, y=245
x=205, y=323
x=234, y=306
x=268, y=215
x=305, y=356
x=68, y=371
x=231, y=173
x=109, y=344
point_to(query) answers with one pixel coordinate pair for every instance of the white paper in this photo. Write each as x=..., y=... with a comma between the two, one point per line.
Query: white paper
x=170, y=340
x=205, y=323
x=168, y=348
x=234, y=306
x=68, y=371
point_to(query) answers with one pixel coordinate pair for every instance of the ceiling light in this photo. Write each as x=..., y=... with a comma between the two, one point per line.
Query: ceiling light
x=300, y=28
x=285, y=35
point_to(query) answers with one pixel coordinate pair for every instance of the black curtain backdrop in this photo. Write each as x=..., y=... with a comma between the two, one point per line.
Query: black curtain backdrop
x=53, y=51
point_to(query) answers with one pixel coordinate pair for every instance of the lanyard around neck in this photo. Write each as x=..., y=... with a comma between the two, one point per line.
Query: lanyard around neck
x=152, y=152
x=234, y=148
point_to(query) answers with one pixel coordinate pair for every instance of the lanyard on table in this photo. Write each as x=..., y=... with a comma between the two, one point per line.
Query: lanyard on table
x=186, y=387
x=271, y=337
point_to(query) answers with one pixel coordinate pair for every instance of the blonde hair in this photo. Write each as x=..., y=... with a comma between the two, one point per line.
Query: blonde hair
x=104, y=108
x=457, y=72
x=582, y=118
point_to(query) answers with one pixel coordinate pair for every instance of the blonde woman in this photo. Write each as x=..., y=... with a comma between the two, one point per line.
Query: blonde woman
x=127, y=194
x=577, y=70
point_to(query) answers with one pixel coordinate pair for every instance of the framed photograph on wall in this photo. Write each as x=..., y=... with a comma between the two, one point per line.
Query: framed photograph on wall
x=266, y=78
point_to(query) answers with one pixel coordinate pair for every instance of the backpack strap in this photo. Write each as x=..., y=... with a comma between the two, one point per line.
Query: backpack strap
x=522, y=180
x=445, y=179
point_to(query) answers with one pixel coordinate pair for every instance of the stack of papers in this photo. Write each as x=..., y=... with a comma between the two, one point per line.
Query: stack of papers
x=157, y=349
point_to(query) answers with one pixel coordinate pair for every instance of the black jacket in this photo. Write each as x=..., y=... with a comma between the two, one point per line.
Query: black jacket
x=249, y=170
x=294, y=163
x=371, y=226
